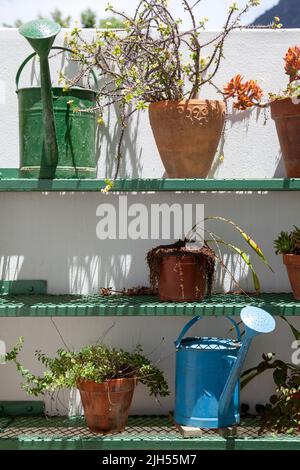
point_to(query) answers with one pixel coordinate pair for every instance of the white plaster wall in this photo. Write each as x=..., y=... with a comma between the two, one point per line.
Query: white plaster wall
x=53, y=236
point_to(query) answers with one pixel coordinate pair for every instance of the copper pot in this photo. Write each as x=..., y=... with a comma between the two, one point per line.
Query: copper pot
x=292, y=263
x=106, y=405
x=286, y=115
x=187, y=134
x=182, y=279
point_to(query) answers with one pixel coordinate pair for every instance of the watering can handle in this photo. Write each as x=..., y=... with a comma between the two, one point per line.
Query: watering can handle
x=31, y=56
x=194, y=320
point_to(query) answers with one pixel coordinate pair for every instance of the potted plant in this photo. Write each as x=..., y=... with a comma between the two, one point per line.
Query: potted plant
x=285, y=108
x=288, y=244
x=184, y=271
x=105, y=377
x=144, y=65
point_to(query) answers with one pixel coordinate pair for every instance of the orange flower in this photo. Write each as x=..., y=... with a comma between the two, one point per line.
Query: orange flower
x=292, y=63
x=233, y=86
x=247, y=94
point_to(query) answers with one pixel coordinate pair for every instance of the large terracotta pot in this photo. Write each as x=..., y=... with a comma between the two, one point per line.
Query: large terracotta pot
x=187, y=134
x=106, y=405
x=182, y=279
x=292, y=263
x=286, y=115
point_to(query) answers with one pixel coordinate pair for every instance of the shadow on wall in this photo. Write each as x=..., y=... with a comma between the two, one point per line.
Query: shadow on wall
x=131, y=155
x=234, y=117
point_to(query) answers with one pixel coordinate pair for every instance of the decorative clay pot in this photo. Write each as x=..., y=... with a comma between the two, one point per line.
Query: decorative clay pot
x=187, y=134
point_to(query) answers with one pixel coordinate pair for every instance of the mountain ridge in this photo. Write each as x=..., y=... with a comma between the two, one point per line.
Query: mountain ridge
x=288, y=12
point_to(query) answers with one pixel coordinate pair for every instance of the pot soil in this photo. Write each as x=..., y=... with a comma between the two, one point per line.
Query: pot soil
x=286, y=115
x=292, y=263
x=179, y=274
x=106, y=405
x=187, y=134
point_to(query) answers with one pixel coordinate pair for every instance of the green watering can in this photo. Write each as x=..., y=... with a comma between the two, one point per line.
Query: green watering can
x=55, y=141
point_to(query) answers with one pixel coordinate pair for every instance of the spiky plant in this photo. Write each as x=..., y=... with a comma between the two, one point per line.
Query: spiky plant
x=288, y=242
x=295, y=235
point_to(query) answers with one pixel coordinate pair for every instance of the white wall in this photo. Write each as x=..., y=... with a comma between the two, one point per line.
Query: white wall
x=53, y=236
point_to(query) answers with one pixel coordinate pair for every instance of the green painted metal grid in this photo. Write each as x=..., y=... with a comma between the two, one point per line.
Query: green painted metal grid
x=97, y=305
x=142, y=432
x=10, y=181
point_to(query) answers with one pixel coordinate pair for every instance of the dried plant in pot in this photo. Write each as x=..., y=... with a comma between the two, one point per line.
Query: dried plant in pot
x=152, y=63
x=105, y=377
x=288, y=244
x=285, y=108
x=184, y=271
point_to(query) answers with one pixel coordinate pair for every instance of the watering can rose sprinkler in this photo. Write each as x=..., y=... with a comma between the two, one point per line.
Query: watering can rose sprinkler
x=208, y=372
x=41, y=35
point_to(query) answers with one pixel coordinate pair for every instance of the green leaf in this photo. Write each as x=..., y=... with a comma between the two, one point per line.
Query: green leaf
x=294, y=330
x=252, y=243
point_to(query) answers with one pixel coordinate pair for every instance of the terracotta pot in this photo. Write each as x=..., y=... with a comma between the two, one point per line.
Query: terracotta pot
x=106, y=406
x=292, y=263
x=187, y=134
x=181, y=279
x=286, y=115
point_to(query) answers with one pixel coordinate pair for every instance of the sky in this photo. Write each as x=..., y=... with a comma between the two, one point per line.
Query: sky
x=215, y=10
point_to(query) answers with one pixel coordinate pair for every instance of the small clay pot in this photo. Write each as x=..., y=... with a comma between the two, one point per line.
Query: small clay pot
x=106, y=405
x=182, y=279
x=292, y=263
x=187, y=134
x=286, y=115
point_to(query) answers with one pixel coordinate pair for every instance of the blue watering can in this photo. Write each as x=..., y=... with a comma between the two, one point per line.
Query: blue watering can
x=208, y=372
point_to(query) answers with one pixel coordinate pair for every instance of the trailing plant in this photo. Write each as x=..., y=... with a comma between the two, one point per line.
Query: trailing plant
x=248, y=93
x=282, y=413
x=204, y=253
x=288, y=242
x=145, y=63
x=96, y=363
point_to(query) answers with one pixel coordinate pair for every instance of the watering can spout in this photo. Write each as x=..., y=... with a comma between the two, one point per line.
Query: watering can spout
x=41, y=34
x=256, y=321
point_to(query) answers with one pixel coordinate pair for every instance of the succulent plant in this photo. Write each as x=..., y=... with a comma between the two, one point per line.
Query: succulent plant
x=296, y=238
x=288, y=242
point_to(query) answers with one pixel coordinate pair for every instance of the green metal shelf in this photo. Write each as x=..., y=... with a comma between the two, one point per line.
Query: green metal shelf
x=43, y=305
x=10, y=181
x=143, y=433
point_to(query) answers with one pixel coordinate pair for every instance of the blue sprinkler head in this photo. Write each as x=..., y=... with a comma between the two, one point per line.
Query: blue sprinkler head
x=257, y=320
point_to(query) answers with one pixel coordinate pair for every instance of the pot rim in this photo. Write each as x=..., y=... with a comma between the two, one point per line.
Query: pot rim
x=123, y=379
x=189, y=101
x=291, y=260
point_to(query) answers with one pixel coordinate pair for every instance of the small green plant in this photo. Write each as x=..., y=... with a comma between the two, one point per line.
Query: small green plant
x=288, y=242
x=97, y=363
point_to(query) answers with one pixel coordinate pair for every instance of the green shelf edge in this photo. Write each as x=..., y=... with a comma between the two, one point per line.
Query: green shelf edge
x=158, y=435
x=98, y=306
x=10, y=181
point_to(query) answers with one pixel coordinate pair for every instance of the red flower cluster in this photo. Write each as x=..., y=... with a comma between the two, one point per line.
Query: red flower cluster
x=247, y=94
x=292, y=63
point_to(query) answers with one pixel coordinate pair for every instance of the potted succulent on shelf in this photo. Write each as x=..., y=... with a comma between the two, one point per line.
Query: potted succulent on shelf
x=288, y=244
x=184, y=271
x=285, y=108
x=145, y=64
x=105, y=377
